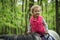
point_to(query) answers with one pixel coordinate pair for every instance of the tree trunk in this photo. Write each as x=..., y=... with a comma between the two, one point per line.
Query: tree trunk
x=26, y=16
x=58, y=16
x=38, y=2
x=30, y=5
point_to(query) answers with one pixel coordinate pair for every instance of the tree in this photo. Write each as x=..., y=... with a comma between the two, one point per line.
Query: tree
x=58, y=16
x=31, y=3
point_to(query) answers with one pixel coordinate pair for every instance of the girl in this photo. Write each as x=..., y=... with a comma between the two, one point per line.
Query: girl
x=37, y=22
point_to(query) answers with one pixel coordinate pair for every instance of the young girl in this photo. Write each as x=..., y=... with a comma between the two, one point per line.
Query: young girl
x=37, y=22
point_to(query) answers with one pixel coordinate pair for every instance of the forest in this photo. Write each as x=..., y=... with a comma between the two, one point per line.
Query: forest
x=15, y=15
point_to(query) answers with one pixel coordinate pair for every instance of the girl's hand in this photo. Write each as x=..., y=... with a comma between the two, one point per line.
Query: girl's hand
x=28, y=32
x=46, y=33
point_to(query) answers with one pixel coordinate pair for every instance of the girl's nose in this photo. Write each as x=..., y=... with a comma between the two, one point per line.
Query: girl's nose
x=37, y=12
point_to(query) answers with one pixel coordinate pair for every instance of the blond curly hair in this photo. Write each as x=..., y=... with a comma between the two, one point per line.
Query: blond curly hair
x=35, y=6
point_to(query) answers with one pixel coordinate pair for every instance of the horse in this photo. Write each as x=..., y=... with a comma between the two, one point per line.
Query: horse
x=32, y=36
x=54, y=34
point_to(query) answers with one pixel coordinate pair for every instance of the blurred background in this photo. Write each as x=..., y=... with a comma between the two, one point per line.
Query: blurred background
x=15, y=15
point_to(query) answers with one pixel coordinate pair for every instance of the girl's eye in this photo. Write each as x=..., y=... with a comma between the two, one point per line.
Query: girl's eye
x=37, y=11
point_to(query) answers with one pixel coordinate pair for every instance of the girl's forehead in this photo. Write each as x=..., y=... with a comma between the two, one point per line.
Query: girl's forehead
x=37, y=9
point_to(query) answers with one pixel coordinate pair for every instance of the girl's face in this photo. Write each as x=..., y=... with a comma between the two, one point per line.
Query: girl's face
x=36, y=12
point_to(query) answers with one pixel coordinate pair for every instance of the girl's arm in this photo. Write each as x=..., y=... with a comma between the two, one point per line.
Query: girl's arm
x=46, y=26
x=28, y=28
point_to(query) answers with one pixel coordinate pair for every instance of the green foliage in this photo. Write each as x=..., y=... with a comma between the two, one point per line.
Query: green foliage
x=14, y=18
x=49, y=14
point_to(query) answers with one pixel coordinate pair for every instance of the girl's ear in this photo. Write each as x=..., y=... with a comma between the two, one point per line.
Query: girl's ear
x=41, y=12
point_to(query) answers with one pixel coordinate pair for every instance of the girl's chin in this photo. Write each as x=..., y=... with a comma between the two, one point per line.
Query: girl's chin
x=37, y=15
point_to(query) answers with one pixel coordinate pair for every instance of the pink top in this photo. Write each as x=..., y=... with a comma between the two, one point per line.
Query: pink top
x=37, y=25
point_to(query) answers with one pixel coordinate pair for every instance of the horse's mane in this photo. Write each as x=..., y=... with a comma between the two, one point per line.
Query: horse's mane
x=19, y=37
x=26, y=37
x=23, y=37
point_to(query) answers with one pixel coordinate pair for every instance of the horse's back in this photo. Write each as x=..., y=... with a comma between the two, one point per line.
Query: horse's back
x=54, y=34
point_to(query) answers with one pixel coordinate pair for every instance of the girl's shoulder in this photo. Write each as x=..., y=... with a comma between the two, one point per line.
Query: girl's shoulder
x=31, y=18
x=41, y=16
